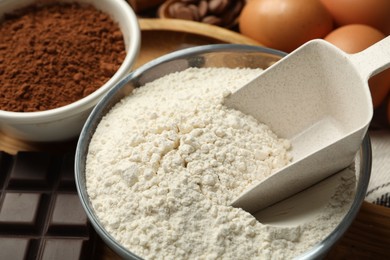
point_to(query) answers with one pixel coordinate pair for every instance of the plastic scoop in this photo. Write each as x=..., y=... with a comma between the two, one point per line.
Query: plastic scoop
x=317, y=97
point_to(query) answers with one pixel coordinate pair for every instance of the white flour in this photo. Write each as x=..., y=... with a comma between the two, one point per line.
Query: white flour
x=165, y=162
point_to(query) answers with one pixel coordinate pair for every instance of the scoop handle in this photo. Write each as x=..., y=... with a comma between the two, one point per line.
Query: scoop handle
x=374, y=59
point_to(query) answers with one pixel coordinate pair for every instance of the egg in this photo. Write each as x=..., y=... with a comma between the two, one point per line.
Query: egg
x=284, y=24
x=375, y=13
x=354, y=38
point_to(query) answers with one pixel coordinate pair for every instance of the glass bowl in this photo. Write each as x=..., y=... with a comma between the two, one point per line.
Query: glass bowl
x=218, y=55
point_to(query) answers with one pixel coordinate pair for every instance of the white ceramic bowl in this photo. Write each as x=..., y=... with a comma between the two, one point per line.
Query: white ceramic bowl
x=217, y=55
x=66, y=122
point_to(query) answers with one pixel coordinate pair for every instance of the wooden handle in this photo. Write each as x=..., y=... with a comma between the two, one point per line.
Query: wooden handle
x=196, y=28
x=141, y=5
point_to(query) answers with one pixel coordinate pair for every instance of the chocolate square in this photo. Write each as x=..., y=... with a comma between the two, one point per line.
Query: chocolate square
x=68, y=215
x=63, y=249
x=14, y=248
x=31, y=170
x=20, y=211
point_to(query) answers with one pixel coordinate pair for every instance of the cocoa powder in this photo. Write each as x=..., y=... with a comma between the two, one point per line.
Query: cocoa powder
x=53, y=55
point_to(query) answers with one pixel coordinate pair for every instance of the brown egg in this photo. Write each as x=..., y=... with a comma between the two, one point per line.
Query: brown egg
x=354, y=38
x=284, y=24
x=375, y=13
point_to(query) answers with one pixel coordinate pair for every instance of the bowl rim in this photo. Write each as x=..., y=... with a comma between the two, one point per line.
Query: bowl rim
x=132, y=52
x=315, y=252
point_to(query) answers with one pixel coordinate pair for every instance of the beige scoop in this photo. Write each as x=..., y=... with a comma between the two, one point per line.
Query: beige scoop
x=317, y=97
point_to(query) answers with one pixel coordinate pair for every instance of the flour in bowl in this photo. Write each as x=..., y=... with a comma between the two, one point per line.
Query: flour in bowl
x=165, y=163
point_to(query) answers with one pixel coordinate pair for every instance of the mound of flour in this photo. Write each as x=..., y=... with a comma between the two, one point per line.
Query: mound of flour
x=165, y=162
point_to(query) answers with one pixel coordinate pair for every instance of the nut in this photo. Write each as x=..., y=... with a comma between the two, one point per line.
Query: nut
x=217, y=12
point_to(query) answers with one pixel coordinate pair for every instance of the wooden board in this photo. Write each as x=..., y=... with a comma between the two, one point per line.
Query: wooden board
x=161, y=36
x=369, y=235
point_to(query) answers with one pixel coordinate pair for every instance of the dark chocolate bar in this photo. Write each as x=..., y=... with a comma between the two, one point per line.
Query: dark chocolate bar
x=41, y=216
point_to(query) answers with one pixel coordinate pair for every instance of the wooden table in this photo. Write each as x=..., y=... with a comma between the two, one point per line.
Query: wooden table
x=369, y=235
